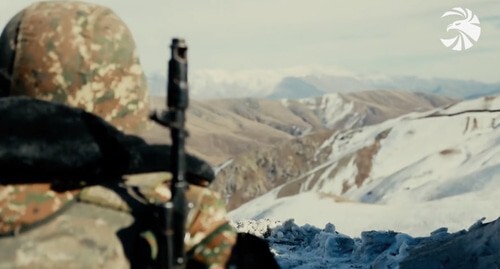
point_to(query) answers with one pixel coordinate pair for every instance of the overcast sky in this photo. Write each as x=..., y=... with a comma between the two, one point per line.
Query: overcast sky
x=383, y=37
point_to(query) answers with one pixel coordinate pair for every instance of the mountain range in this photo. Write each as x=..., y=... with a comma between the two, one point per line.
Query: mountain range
x=304, y=84
x=225, y=128
x=358, y=163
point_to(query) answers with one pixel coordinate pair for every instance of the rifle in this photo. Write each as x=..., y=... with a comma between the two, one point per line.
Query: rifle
x=173, y=214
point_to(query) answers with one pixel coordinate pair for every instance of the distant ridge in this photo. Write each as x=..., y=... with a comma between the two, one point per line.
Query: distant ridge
x=222, y=129
x=217, y=85
x=294, y=88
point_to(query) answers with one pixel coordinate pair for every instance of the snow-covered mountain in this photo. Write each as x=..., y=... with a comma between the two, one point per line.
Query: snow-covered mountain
x=246, y=177
x=413, y=174
x=312, y=82
x=463, y=89
x=256, y=83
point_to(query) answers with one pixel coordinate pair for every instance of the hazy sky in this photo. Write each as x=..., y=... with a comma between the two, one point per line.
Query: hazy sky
x=369, y=37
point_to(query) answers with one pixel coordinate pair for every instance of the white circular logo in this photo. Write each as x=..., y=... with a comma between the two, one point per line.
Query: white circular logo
x=468, y=29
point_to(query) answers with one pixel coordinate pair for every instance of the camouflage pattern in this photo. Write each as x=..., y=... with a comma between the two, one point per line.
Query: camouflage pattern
x=209, y=237
x=83, y=236
x=82, y=55
x=77, y=54
x=208, y=234
x=24, y=205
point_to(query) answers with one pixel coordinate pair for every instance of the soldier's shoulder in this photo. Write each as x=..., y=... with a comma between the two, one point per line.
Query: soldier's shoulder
x=82, y=236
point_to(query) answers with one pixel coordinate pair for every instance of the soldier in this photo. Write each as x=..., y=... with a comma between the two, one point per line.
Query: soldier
x=64, y=199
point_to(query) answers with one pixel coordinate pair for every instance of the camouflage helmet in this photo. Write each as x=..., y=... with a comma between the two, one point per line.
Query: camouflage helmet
x=78, y=54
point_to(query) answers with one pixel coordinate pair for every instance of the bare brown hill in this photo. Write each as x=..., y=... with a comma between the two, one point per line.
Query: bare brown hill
x=252, y=174
x=222, y=129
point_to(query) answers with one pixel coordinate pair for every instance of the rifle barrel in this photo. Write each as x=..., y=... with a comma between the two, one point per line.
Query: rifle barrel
x=177, y=103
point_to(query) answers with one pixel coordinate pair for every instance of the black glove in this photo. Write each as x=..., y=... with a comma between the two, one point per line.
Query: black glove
x=44, y=142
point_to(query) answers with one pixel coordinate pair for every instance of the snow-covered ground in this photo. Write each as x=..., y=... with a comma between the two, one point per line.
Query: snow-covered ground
x=334, y=108
x=432, y=170
x=455, y=213
x=309, y=247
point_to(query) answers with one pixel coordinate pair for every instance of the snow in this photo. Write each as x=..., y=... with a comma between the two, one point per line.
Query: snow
x=309, y=247
x=334, y=108
x=222, y=166
x=425, y=137
x=346, y=174
x=486, y=103
x=430, y=172
x=285, y=102
x=436, y=161
x=352, y=219
x=217, y=83
x=434, y=174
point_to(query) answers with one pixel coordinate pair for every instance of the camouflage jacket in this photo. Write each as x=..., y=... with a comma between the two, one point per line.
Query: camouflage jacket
x=99, y=229
x=104, y=223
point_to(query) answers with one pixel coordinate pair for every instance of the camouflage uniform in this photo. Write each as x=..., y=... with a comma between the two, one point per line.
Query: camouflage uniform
x=83, y=55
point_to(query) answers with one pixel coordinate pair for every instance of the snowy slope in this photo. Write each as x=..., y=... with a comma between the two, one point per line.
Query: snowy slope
x=334, y=109
x=352, y=219
x=412, y=174
x=310, y=121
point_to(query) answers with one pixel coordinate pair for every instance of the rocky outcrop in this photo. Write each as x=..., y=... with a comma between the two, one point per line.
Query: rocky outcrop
x=255, y=173
x=479, y=247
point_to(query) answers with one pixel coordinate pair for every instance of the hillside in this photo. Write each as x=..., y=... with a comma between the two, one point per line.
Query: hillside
x=413, y=174
x=225, y=128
